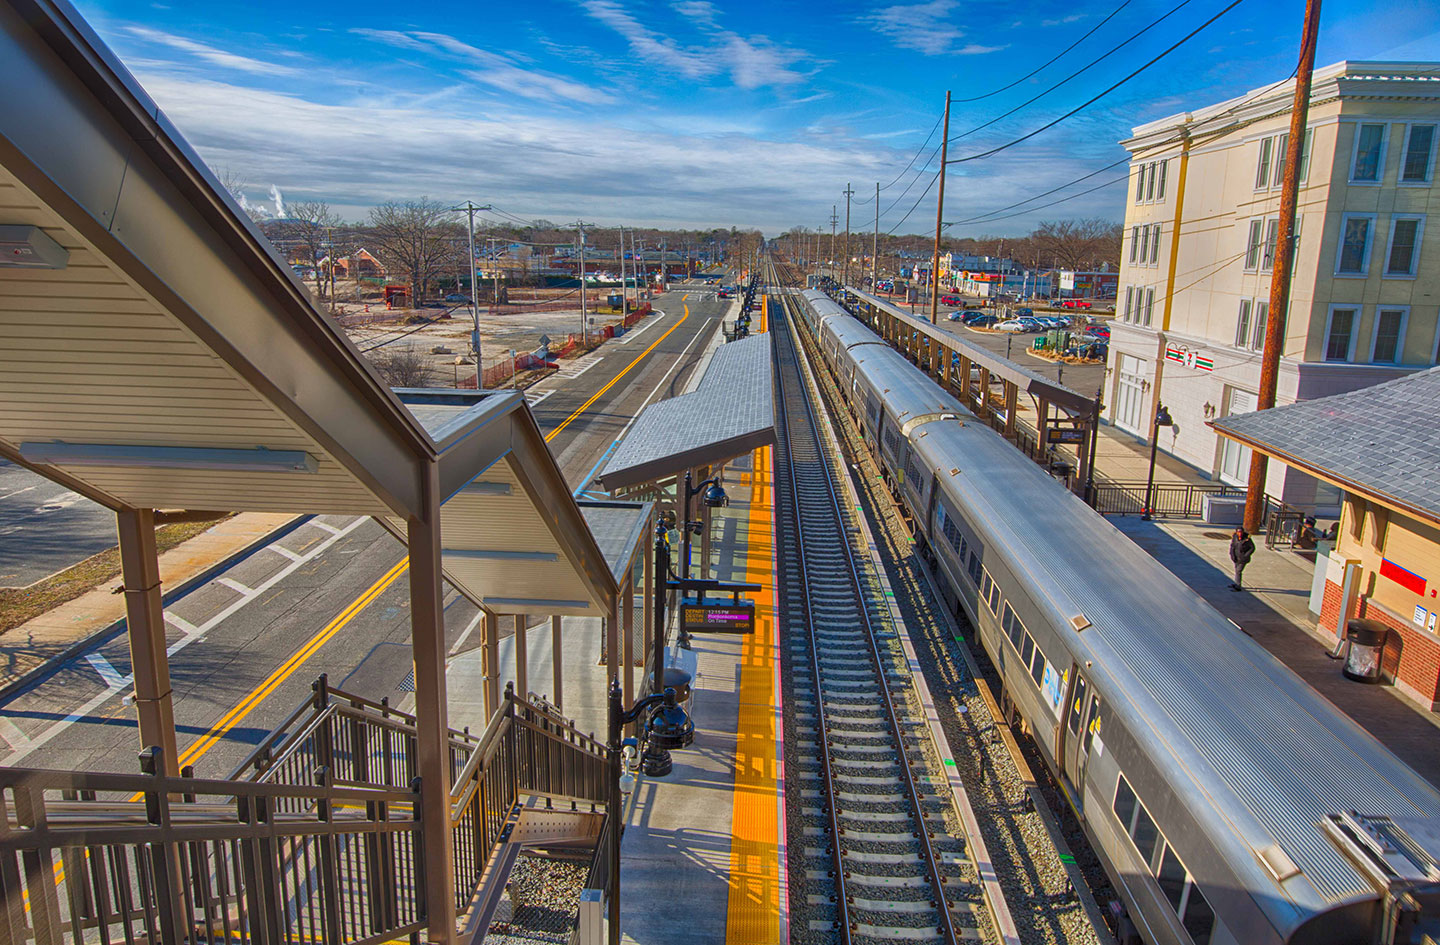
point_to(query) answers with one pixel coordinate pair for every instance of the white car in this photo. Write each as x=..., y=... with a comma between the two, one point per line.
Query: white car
x=1013, y=324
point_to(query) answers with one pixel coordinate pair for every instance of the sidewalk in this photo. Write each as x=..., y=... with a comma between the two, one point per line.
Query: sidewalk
x=1274, y=611
x=30, y=645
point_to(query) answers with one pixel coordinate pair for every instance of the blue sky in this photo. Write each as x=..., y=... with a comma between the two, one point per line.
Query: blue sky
x=692, y=113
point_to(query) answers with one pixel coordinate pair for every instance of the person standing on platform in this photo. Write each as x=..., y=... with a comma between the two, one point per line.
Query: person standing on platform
x=1242, y=549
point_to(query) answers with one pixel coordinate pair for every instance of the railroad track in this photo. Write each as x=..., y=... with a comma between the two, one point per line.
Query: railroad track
x=881, y=855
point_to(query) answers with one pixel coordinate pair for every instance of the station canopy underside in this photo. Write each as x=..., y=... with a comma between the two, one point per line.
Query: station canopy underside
x=730, y=413
x=171, y=359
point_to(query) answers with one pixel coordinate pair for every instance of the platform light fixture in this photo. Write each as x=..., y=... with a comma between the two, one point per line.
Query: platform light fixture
x=259, y=459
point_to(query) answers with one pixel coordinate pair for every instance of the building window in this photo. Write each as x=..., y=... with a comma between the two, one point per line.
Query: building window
x=1305, y=154
x=1419, y=150
x=1155, y=245
x=1129, y=303
x=1149, y=305
x=1354, y=256
x=1272, y=234
x=1160, y=187
x=1252, y=245
x=1140, y=183
x=1242, y=324
x=1340, y=333
x=1262, y=316
x=1404, y=245
x=1134, y=242
x=1262, y=167
x=1144, y=244
x=1281, y=143
x=1150, y=182
x=1389, y=335
x=1369, y=154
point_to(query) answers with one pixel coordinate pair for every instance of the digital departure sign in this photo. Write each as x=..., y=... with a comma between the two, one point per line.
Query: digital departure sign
x=726, y=616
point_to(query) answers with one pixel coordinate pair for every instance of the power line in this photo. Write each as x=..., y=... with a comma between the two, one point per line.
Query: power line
x=934, y=128
x=1079, y=108
x=1051, y=61
x=891, y=231
x=1078, y=72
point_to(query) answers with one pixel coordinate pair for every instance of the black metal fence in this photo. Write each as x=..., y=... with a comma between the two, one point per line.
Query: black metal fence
x=1171, y=499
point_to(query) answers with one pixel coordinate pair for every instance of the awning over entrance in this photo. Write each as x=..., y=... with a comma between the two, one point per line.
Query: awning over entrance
x=729, y=414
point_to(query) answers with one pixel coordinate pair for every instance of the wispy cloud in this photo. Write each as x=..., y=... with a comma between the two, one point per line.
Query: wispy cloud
x=211, y=54
x=925, y=28
x=495, y=70
x=752, y=62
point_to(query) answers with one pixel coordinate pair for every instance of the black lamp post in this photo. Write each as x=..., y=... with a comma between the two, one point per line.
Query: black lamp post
x=715, y=497
x=1162, y=419
x=668, y=728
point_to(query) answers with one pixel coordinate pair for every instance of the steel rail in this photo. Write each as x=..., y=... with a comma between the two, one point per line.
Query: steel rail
x=791, y=363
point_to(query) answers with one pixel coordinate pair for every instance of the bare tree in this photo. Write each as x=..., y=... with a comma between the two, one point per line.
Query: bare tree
x=1078, y=244
x=402, y=366
x=311, y=224
x=418, y=237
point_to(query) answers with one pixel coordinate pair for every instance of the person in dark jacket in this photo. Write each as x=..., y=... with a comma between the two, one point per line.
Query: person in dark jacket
x=1242, y=549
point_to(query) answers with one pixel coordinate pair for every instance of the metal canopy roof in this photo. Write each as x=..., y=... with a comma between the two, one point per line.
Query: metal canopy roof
x=1032, y=382
x=175, y=361
x=729, y=414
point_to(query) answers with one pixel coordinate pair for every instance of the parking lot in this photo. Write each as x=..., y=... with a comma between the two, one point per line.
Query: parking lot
x=1083, y=378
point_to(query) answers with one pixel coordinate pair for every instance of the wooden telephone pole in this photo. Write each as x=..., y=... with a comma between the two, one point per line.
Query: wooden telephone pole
x=1284, y=256
x=939, y=213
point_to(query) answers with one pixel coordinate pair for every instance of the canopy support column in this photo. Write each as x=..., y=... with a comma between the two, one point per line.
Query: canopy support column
x=145, y=624
x=557, y=675
x=647, y=569
x=627, y=616
x=432, y=726
x=522, y=657
x=490, y=661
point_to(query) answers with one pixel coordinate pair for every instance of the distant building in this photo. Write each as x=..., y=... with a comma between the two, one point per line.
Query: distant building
x=354, y=265
x=1380, y=448
x=1087, y=285
x=1365, y=296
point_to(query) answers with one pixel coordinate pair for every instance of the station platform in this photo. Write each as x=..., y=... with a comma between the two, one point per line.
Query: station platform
x=1274, y=610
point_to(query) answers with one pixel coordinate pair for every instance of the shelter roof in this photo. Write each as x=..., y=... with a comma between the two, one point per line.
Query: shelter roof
x=1030, y=381
x=730, y=413
x=1379, y=441
x=172, y=359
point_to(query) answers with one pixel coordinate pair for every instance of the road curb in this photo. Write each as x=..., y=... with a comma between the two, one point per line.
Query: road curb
x=43, y=670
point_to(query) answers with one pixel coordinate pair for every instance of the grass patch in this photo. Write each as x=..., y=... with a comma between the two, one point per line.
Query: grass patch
x=18, y=605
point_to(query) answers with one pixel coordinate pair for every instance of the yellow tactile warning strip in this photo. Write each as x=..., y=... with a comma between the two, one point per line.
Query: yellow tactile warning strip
x=758, y=893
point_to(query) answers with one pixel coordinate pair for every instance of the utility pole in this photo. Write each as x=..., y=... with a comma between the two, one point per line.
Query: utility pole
x=494, y=272
x=848, y=192
x=875, y=244
x=939, y=212
x=584, y=324
x=662, y=262
x=471, y=210
x=624, y=289
x=1284, y=254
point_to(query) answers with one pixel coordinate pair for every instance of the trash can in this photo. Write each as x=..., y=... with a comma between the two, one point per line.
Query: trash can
x=1367, y=645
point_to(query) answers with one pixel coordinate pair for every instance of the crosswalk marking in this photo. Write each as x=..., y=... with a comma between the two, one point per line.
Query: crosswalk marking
x=181, y=624
x=236, y=586
x=111, y=675
x=580, y=366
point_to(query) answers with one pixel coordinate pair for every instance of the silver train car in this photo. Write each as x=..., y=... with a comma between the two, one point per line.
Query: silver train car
x=1229, y=802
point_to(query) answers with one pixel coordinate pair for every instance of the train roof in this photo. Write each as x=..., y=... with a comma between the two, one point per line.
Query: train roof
x=849, y=331
x=907, y=394
x=1269, y=754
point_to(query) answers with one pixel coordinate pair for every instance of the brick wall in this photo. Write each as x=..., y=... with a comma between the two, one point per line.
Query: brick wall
x=1412, y=656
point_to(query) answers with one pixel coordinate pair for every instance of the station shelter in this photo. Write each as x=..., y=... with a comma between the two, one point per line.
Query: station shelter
x=1380, y=447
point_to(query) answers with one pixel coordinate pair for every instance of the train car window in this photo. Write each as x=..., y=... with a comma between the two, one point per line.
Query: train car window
x=1145, y=835
x=984, y=583
x=1037, y=669
x=1027, y=651
x=994, y=598
x=1007, y=618
x=1092, y=726
x=1172, y=877
x=1017, y=633
x=1199, y=918
x=1078, y=705
x=964, y=547
x=1125, y=804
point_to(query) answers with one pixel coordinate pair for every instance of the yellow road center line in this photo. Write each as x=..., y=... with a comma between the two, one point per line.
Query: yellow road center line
x=287, y=669
x=638, y=358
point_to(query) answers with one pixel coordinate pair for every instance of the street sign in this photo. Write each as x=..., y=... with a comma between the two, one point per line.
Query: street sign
x=727, y=616
x=1067, y=435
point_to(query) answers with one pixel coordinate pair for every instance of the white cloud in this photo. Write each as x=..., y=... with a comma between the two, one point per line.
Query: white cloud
x=925, y=28
x=751, y=62
x=497, y=71
x=211, y=54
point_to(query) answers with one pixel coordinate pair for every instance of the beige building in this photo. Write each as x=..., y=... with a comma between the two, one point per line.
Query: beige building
x=1190, y=317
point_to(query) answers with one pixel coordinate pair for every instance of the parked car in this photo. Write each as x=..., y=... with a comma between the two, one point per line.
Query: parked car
x=1075, y=303
x=1055, y=321
x=1032, y=323
x=1013, y=324
x=1099, y=331
x=980, y=320
x=1022, y=312
x=456, y=297
x=970, y=314
x=951, y=300
x=956, y=316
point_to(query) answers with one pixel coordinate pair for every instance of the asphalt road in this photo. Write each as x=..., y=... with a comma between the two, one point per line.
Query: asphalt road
x=44, y=527
x=246, y=647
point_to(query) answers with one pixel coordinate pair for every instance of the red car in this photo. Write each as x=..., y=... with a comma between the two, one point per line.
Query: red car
x=950, y=300
x=1074, y=303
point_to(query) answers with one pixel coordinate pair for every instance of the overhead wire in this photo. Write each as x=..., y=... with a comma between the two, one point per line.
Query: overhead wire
x=1056, y=58
x=921, y=150
x=1091, y=101
x=1077, y=73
